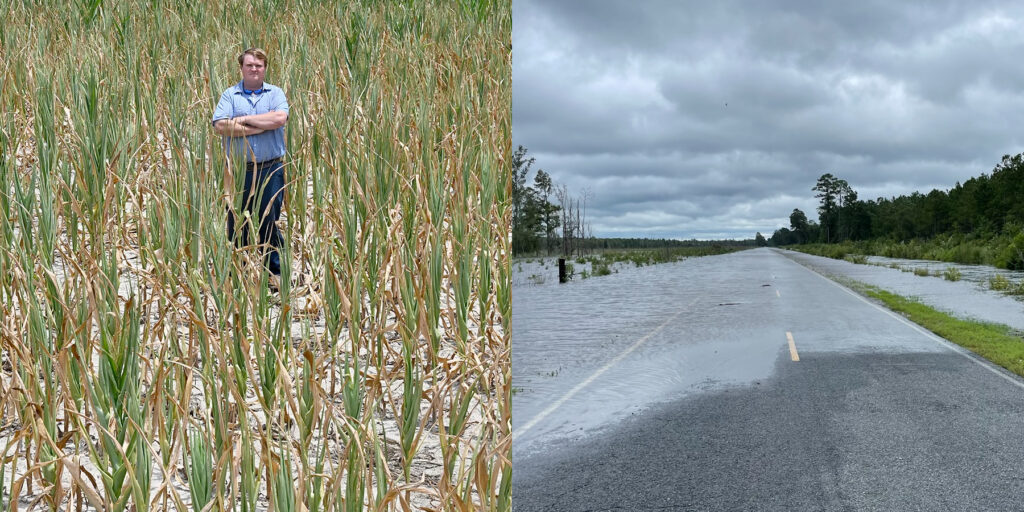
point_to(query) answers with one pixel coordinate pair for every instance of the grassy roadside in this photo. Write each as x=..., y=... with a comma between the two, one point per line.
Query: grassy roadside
x=996, y=342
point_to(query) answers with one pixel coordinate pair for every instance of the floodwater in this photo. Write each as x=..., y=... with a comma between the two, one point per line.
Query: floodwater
x=970, y=297
x=544, y=271
x=563, y=335
x=979, y=274
x=603, y=348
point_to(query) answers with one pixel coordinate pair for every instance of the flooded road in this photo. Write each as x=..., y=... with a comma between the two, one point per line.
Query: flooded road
x=647, y=335
x=718, y=376
x=970, y=297
x=564, y=334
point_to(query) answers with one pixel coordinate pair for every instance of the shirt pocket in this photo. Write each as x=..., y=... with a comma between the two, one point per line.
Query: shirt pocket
x=243, y=107
x=263, y=104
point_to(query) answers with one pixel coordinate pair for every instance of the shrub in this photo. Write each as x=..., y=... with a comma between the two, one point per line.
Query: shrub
x=1016, y=288
x=999, y=282
x=951, y=274
x=859, y=259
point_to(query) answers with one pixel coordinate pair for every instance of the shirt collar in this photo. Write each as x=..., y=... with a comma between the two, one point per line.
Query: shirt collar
x=240, y=89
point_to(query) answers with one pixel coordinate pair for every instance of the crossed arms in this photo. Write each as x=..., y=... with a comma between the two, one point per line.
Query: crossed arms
x=250, y=125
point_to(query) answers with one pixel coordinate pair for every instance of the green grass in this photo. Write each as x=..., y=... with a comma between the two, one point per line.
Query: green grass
x=999, y=283
x=997, y=343
x=859, y=259
x=952, y=274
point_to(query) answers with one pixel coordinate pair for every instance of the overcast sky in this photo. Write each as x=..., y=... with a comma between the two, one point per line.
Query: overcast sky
x=711, y=120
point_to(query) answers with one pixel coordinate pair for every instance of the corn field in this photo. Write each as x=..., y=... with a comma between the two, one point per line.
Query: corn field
x=147, y=365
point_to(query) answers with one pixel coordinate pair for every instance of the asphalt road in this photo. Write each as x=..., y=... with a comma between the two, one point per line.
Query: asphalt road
x=845, y=406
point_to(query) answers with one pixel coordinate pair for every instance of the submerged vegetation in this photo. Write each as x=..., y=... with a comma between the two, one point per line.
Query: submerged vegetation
x=607, y=262
x=997, y=282
x=952, y=274
x=641, y=257
x=1001, y=283
x=145, y=365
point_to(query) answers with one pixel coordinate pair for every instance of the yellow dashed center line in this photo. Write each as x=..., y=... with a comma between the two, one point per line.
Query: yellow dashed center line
x=792, y=347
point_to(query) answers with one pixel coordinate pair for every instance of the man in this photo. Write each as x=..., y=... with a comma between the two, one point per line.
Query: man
x=251, y=116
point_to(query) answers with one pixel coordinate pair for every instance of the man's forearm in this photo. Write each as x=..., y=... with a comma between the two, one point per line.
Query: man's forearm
x=268, y=121
x=232, y=128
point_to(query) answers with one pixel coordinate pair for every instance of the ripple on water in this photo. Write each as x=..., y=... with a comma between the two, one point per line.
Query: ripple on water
x=562, y=335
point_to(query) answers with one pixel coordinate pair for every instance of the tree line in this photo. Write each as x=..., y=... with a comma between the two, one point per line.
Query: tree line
x=547, y=219
x=987, y=209
x=539, y=224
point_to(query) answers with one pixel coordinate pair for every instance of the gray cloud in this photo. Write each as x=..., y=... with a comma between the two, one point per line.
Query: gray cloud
x=687, y=119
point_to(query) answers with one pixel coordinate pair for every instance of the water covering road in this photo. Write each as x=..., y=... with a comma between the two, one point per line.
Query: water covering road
x=563, y=334
x=970, y=297
x=674, y=387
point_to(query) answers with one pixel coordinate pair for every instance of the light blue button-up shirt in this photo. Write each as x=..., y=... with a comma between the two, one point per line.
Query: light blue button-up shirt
x=236, y=103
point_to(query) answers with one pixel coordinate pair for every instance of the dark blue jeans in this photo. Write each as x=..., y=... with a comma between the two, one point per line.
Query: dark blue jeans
x=265, y=183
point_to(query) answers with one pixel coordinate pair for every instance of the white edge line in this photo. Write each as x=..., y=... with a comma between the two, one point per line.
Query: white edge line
x=579, y=387
x=942, y=341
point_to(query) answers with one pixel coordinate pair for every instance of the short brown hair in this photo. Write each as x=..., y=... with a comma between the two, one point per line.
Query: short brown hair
x=255, y=52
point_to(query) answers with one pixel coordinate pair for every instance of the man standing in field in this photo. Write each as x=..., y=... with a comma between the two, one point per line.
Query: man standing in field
x=251, y=116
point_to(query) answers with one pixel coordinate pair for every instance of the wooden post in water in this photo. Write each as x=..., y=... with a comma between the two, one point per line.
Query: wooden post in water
x=561, y=271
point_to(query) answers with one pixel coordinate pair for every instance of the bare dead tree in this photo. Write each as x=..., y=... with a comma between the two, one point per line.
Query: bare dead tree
x=575, y=228
x=568, y=220
x=584, y=224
